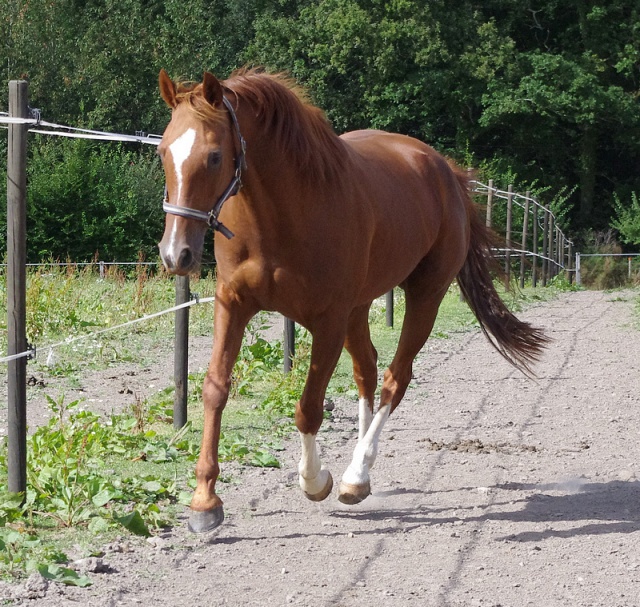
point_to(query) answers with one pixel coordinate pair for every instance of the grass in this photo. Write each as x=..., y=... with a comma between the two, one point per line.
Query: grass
x=91, y=478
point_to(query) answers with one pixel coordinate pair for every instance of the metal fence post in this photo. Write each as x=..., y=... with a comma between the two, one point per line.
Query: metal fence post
x=578, y=277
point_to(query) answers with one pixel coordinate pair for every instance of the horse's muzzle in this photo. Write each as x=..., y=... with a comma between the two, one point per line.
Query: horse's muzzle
x=179, y=262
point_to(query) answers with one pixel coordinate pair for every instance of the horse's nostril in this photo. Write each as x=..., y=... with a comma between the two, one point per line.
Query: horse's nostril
x=186, y=258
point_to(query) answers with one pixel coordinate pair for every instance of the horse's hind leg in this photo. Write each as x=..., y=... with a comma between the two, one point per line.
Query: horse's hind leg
x=315, y=481
x=365, y=373
x=365, y=365
x=420, y=315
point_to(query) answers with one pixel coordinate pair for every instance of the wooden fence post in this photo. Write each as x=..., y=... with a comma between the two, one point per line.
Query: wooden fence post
x=552, y=266
x=507, y=257
x=560, y=241
x=545, y=246
x=16, y=288
x=289, y=344
x=534, y=236
x=389, y=308
x=181, y=353
x=525, y=227
x=489, y=203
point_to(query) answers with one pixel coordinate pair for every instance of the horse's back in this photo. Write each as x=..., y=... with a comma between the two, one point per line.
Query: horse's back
x=405, y=174
x=415, y=196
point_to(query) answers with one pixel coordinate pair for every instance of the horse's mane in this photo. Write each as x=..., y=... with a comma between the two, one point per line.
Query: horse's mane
x=298, y=128
x=190, y=93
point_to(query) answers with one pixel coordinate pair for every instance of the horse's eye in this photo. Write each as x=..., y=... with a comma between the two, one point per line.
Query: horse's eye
x=214, y=159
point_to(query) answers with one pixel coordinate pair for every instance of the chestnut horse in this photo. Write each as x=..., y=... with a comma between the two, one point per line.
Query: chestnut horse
x=317, y=226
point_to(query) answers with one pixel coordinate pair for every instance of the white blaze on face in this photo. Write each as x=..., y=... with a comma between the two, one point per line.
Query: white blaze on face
x=180, y=150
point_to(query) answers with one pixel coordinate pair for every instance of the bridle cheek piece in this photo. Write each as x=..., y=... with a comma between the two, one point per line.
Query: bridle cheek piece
x=211, y=218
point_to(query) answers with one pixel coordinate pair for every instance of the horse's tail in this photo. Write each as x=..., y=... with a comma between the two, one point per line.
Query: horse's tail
x=519, y=342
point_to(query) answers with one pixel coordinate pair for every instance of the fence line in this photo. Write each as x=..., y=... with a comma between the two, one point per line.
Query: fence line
x=20, y=120
x=31, y=352
x=579, y=256
x=557, y=249
x=61, y=130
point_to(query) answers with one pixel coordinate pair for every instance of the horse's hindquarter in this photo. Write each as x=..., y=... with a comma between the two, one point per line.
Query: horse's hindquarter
x=414, y=199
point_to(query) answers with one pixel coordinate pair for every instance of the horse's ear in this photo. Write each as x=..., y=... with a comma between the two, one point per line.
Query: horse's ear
x=211, y=89
x=167, y=89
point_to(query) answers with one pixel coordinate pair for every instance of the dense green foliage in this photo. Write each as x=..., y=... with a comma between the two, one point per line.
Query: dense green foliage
x=98, y=191
x=544, y=94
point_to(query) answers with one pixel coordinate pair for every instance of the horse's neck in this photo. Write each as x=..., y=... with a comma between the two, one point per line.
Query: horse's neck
x=273, y=184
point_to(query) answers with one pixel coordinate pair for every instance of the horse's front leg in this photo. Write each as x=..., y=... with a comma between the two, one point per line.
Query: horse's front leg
x=316, y=481
x=230, y=320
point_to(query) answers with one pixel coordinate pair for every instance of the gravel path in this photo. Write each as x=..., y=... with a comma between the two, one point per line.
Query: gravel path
x=490, y=490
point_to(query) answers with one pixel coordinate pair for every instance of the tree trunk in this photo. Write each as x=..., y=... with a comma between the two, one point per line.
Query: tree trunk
x=587, y=172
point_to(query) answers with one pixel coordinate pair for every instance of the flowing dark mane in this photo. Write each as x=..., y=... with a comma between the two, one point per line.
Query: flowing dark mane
x=292, y=123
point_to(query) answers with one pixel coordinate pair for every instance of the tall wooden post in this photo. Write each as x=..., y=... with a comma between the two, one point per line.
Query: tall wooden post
x=534, y=249
x=507, y=257
x=525, y=227
x=16, y=287
x=181, y=353
x=560, y=249
x=551, y=243
x=545, y=246
x=489, y=202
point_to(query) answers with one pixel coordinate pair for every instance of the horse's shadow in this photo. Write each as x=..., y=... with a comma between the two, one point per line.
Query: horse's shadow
x=611, y=507
x=594, y=508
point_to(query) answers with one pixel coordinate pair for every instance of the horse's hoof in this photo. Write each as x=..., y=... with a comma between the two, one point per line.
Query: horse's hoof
x=201, y=522
x=323, y=493
x=353, y=494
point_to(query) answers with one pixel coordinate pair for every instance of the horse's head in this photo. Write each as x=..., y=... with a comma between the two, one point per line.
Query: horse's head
x=202, y=158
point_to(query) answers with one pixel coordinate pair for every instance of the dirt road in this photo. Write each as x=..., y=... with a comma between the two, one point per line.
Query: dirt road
x=490, y=489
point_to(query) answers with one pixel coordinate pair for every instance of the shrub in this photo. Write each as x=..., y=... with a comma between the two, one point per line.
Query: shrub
x=86, y=198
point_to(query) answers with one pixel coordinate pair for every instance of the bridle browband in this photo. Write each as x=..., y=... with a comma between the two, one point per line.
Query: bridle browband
x=211, y=217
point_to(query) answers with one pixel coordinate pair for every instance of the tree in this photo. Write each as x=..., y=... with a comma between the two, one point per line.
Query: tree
x=389, y=65
x=567, y=109
x=627, y=220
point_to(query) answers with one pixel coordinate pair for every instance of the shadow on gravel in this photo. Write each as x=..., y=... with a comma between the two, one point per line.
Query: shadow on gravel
x=611, y=507
x=557, y=510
